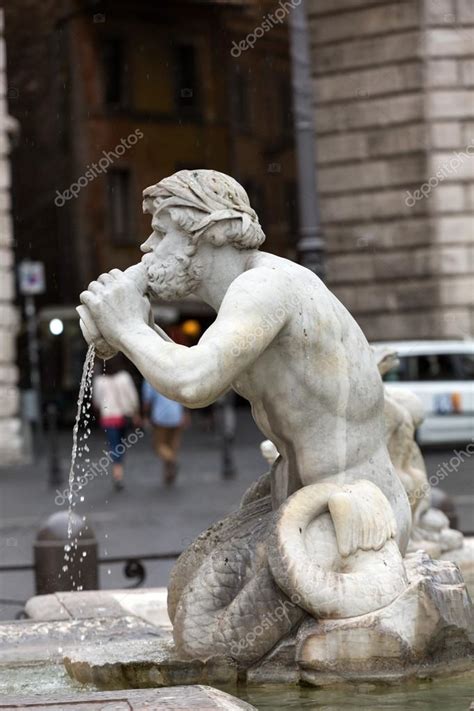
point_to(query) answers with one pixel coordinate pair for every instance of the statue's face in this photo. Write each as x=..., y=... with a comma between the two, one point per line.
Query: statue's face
x=173, y=269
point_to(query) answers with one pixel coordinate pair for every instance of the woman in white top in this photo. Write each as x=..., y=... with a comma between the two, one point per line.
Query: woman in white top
x=116, y=398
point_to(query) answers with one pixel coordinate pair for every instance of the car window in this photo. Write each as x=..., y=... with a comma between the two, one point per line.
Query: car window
x=466, y=366
x=441, y=366
x=432, y=367
x=407, y=370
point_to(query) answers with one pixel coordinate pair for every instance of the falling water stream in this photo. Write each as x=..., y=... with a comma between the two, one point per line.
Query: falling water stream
x=79, y=445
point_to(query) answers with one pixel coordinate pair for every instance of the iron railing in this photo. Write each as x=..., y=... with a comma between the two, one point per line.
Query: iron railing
x=134, y=569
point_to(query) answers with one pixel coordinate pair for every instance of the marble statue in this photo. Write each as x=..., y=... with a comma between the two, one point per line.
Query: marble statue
x=323, y=534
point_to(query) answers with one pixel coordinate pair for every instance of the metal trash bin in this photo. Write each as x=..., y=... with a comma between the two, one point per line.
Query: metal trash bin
x=53, y=573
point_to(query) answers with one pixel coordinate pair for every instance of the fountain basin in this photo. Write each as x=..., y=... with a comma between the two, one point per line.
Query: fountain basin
x=44, y=682
x=194, y=698
x=132, y=629
x=122, y=639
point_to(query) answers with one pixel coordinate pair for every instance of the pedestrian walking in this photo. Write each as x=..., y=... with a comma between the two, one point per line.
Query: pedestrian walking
x=116, y=398
x=167, y=418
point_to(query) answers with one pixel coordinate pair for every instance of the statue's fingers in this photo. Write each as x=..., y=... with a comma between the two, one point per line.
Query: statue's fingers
x=86, y=333
x=94, y=287
x=116, y=273
x=87, y=319
x=88, y=299
x=105, y=278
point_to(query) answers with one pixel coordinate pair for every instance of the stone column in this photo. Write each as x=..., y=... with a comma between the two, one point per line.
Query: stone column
x=10, y=440
x=395, y=115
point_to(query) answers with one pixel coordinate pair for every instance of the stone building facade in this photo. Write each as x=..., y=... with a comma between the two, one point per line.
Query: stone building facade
x=10, y=441
x=90, y=78
x=111, y=99
x=394, y=116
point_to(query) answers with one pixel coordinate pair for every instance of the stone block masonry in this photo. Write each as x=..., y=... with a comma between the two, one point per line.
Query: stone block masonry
x=10, y=440
x=394, y=109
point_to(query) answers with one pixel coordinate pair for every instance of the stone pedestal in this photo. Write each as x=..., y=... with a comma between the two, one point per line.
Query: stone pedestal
x=464, y=558
x=428, y=630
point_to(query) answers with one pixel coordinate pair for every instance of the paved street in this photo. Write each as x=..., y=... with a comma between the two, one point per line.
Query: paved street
x=147, y=518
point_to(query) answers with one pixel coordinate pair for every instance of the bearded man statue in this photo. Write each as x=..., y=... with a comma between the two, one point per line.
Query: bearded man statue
x=324, y=533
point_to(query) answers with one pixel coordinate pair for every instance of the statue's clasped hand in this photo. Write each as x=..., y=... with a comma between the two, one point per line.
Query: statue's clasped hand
x=116, y=303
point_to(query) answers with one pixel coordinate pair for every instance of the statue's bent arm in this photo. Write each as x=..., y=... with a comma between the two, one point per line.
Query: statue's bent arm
x=248, y=320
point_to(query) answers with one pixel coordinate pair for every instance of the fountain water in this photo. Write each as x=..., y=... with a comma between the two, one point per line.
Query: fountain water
x=79, y=444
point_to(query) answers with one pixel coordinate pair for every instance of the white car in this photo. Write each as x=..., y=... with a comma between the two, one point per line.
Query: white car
x=441, y=373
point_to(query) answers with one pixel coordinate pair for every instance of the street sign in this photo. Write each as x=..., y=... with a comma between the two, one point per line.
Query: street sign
x=31, y=278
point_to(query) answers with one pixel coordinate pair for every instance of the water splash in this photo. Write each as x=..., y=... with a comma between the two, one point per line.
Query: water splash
x=83, y=406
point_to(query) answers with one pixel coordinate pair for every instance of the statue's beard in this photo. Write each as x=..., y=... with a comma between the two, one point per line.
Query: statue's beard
x=174, y=278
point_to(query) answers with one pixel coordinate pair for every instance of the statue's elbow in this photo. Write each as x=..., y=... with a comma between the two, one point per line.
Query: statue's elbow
x=194, y=395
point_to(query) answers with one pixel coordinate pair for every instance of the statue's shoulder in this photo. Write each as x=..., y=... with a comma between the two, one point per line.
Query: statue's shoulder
x=265, y=270
x=260, y=282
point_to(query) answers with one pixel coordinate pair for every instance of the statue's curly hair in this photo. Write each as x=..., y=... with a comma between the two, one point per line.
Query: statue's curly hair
x=208, y=205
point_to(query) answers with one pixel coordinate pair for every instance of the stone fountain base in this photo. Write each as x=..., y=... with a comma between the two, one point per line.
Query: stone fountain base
x=427, y=631
x=464, y=558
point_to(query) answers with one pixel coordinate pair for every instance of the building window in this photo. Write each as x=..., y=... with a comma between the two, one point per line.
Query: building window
x=115, y=68
x=187, y=98
x=119, y=206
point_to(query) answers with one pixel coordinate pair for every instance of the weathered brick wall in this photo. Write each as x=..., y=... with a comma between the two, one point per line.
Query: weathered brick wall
x=10, y=443
x=394, y=102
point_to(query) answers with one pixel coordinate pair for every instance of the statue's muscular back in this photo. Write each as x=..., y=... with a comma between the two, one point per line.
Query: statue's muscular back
x=316, y=391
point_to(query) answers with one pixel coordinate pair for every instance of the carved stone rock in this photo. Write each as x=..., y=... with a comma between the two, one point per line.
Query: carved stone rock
x=430, y=626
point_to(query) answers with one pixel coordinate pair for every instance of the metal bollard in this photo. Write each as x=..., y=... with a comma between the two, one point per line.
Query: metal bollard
x=49, y=556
